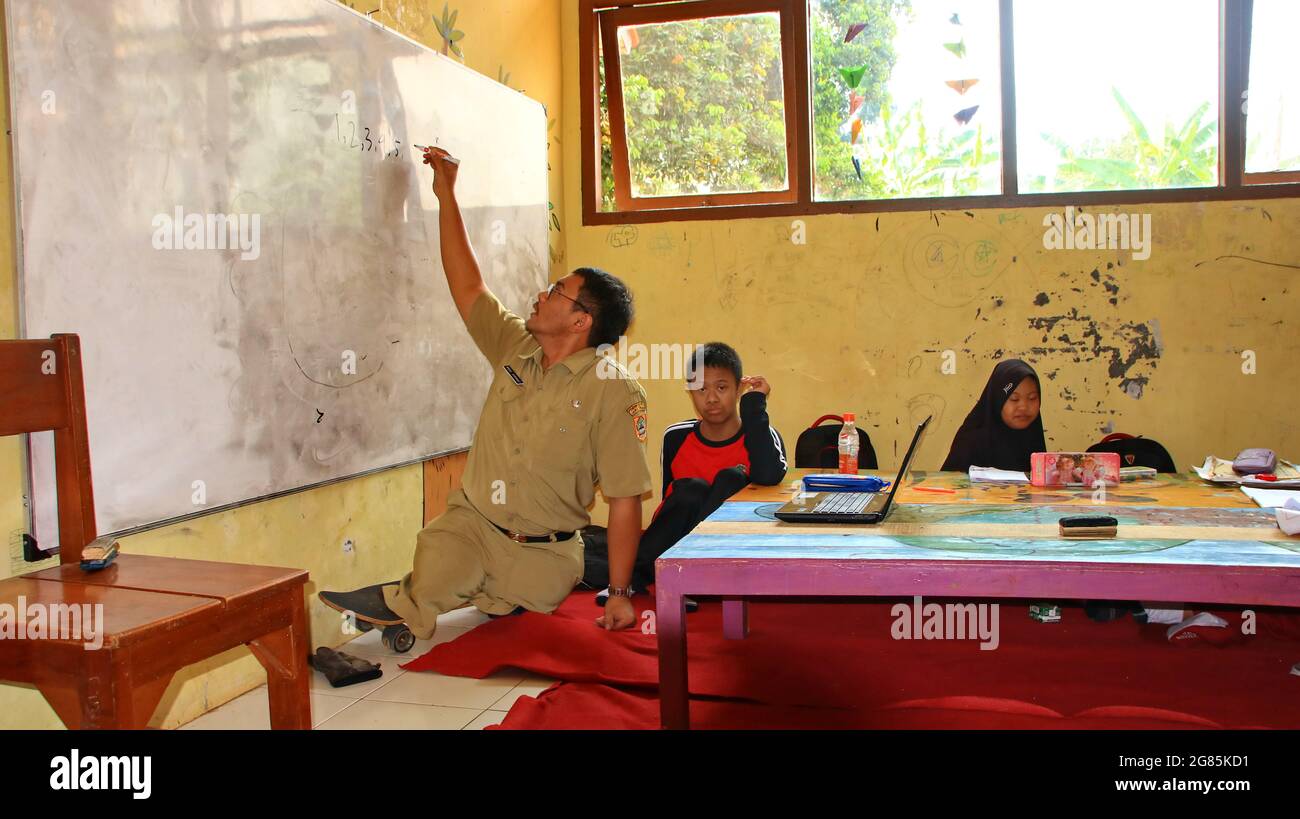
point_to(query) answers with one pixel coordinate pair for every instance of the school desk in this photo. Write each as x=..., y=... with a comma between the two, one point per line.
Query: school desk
x=153, y=615
x=157, y=616
x=1179, y=539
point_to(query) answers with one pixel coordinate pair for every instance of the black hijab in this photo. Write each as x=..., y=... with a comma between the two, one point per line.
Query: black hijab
x=984, y=440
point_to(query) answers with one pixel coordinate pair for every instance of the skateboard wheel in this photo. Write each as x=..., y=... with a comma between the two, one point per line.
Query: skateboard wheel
x=398, y=638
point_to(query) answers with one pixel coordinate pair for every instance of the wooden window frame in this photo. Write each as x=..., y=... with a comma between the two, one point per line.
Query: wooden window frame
x=610, y=20
x=1234, y=183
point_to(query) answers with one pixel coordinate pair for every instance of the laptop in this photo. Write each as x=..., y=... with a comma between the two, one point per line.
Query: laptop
x=850, y=507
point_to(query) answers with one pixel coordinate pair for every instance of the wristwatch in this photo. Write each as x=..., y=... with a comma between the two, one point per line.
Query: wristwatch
x=626, y=591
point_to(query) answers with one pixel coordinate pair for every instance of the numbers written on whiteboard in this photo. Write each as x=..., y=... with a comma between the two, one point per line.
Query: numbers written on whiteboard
x=363, y=138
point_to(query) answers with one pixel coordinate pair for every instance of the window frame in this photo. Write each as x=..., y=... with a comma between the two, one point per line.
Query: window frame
x=610, y=20
x=1234, y=183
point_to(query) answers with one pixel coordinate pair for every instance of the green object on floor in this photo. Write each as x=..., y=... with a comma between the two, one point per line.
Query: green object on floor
x=1045, y=612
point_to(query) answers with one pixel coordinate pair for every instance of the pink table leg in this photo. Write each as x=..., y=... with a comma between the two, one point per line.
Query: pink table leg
x=735, y=618
x=670, y=626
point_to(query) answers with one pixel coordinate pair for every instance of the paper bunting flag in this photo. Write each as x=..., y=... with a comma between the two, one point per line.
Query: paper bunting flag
x=958, y=48
x=857, y=129
x=853, y=76
x=965, y=115
x=954, y=19
x=857, y=167
x=962, y=86
x=855, y=102
x=854, y=31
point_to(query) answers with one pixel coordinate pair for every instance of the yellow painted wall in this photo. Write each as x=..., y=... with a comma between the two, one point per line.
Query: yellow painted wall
x=857, y=319
x=380, y=513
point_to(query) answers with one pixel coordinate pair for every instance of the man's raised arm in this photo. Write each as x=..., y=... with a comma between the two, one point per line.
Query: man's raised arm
x=458, y=261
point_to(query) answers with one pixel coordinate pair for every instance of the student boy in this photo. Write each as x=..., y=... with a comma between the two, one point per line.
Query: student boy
x=709, y=459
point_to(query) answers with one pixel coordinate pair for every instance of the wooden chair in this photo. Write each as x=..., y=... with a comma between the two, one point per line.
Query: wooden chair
x=155, y=615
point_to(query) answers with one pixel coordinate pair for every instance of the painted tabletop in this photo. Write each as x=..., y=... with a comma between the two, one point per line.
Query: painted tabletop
x=1169, y=520
x=955, y=487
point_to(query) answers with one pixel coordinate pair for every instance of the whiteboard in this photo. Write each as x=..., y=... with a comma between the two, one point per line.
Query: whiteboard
x=222, y=198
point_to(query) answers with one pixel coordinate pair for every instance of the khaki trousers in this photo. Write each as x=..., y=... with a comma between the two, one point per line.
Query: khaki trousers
x=462, y=558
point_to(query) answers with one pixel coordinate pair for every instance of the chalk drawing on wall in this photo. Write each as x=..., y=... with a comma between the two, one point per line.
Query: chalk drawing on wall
x=951, y=267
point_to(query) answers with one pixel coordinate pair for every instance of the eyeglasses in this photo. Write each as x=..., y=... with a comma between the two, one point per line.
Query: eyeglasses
x=556, y=291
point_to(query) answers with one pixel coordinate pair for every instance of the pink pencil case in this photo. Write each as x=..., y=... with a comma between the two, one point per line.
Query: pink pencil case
x=1074, y=468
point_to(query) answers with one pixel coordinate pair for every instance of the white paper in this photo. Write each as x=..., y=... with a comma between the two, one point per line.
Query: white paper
x=1225, y=475
x=1206, y=471
x=988, y=474
x=1271, y=498
x=1288, y=516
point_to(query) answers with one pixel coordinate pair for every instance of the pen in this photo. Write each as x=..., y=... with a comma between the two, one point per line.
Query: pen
x=423, y=148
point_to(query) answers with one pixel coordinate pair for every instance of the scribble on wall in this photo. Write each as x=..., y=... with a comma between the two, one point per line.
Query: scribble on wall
x=952, y=266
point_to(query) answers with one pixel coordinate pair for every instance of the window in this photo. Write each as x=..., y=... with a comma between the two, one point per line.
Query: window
x=910, y=104
x=707, y=109
x=1144, y=116
x=697, y=101
x=1272, y=106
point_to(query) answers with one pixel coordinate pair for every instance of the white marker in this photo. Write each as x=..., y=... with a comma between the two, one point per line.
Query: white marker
x=423, y=148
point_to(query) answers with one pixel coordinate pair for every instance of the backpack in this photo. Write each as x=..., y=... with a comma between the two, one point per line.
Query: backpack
x=595, y=558
x=818, y=446
x=1137, y=451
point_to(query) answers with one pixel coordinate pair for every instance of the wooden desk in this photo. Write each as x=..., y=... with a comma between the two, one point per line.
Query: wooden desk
x=1179, y=540
x=159, y=615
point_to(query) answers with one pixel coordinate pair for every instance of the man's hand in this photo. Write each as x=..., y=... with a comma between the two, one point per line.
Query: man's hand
x=618, y=615
x=756, y=383
x=444, y=171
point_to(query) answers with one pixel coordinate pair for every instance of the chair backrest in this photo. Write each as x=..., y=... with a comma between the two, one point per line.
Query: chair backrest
x=818, y=446
x=41, y=390
x=1137, y=451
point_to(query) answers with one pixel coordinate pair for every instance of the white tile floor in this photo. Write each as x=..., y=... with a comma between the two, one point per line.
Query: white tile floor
x=418, y=700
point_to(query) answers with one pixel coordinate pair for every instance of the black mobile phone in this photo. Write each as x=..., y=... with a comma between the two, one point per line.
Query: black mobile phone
x=1089, y=526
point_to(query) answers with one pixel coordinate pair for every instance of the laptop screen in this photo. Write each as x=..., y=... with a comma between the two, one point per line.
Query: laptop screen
x=906, y=465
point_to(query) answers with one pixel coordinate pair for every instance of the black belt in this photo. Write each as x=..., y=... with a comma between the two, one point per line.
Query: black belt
x=558, y=537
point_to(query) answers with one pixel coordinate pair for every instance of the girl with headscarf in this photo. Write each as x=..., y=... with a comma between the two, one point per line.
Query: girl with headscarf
x=1005, y=426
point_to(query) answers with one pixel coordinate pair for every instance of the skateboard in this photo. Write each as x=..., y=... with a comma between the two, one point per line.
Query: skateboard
x=368, y=609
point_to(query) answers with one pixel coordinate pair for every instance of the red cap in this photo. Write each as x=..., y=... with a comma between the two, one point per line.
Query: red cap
x=848, y=417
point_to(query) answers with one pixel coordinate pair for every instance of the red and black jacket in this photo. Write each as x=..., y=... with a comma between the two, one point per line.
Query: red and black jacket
x=757, y=447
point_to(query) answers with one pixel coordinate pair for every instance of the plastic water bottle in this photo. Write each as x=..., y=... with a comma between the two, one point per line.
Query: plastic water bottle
x=849, y=446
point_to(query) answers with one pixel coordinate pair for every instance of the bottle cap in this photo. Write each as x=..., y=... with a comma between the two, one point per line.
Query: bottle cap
x=848, y=418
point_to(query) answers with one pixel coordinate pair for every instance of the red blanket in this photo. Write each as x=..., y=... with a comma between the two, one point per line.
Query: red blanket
x=836, y=664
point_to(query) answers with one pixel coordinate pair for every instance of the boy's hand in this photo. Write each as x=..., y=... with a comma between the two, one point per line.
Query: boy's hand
x=444, y=171
x=618, y=615
x=757, y=383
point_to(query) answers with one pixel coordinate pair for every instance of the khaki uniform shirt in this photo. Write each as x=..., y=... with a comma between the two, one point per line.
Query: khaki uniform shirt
x=545, y=438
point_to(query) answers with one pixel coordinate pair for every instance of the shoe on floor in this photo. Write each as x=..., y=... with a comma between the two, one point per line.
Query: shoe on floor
x=343, y=669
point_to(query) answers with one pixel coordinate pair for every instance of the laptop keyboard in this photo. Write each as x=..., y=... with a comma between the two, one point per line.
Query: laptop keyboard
x=844, y=503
